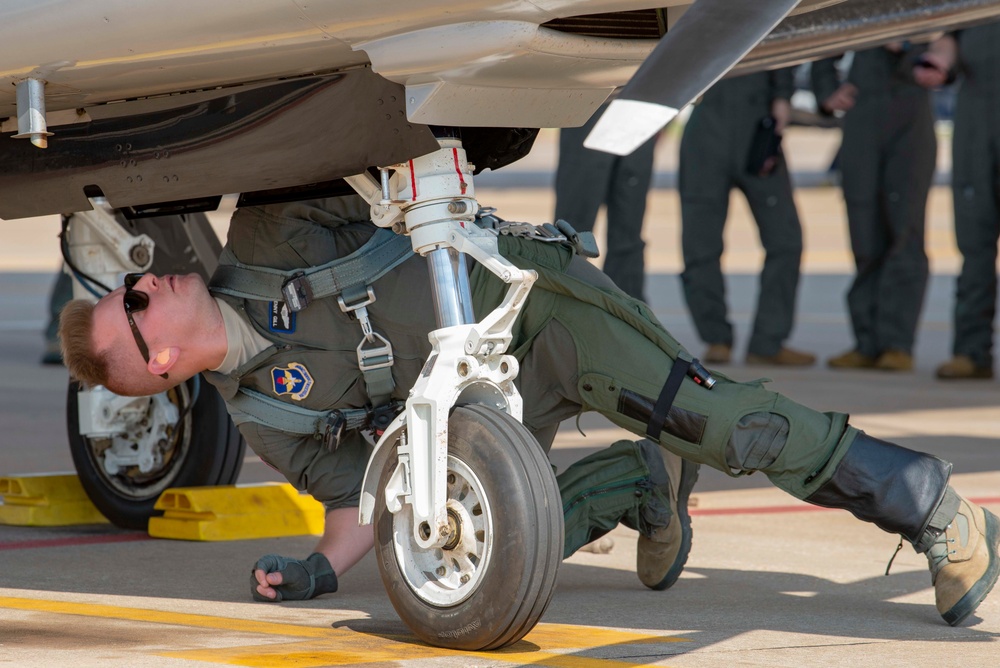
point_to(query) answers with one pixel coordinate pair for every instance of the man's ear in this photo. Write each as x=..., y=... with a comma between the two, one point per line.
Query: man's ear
x=163, y=360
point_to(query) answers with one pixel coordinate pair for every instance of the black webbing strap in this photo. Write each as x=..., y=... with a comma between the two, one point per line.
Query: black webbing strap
x=666, y=398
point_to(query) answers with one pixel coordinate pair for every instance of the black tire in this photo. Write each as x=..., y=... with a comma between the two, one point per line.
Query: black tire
x=514, y=568
x=207, y=451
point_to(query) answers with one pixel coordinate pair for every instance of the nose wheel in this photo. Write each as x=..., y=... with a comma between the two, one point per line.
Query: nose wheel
x=490, y=583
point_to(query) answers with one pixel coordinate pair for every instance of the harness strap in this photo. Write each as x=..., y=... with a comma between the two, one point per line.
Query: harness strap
x=327, y=426
x=666, y=399
x=298, y=287
x=348, y=278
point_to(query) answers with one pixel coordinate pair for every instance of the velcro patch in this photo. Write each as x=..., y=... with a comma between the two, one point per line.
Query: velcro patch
x=293, y=380
x=282, y=318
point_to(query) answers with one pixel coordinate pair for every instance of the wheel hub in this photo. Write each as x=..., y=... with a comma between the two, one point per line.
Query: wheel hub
x=448, y=575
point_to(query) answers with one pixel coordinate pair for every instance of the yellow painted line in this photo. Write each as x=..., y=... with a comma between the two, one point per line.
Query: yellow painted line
x=161, y=617
x=323, y=646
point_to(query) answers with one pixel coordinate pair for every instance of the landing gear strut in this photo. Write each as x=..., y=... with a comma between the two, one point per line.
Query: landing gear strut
x=468, y=523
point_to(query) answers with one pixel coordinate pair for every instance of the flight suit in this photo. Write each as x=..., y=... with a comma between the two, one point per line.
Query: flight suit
x=976, y=190
x=713, y=160
x=887, y=163
x=586, y=179
x=582, y=345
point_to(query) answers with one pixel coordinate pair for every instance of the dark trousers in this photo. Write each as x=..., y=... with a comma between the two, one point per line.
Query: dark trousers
x=887, y=162
x=711, y=165
x=976, y=192
x=586, y=179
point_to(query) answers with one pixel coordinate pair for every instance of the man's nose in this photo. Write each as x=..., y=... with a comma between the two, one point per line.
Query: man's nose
x=148, y=283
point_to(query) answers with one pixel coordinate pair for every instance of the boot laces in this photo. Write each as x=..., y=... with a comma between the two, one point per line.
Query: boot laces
x=937, y=553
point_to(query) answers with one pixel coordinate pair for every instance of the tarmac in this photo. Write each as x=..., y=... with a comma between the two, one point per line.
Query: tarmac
x=770, y=581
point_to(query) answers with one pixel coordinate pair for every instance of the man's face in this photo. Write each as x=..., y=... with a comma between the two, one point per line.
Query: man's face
x=177, y=304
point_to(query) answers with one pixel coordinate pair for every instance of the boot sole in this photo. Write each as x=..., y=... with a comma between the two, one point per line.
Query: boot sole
x=968, y=603
x=689, y=476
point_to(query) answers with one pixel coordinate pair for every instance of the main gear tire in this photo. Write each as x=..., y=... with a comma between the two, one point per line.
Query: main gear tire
x=491, y=583
x=205, y=449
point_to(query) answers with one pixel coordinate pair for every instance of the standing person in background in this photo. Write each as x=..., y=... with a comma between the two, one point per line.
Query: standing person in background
x=586, y=179
x=975, y=55
x=887, y=164
x=715, y=155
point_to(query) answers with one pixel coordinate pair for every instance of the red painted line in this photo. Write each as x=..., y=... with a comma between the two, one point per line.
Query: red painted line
x=78, y=540
x=769, y=510
x=759, y=510
x=413, y=183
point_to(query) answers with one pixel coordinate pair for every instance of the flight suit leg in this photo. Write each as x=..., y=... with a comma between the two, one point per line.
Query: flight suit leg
x=976, y=193
x=908, y=172
x=773, y=208
x=603, y=489
x=627, y=193
x=582, y=178
x=704, y=185
x=860, y=155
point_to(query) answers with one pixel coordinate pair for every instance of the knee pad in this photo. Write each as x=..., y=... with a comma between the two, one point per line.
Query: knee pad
x=756, y=441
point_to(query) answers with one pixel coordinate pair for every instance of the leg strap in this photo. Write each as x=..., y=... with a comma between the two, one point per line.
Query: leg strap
x=666, y=398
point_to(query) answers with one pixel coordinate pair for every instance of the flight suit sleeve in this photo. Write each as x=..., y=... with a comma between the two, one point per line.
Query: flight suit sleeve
x=332, y=477
x=824, y=80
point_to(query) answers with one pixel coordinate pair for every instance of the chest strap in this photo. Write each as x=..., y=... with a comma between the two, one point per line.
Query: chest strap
x=298, y=287
x=348, y=279
x=327, y=426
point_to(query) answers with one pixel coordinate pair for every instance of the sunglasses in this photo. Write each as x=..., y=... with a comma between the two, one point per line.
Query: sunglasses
x=135, y=301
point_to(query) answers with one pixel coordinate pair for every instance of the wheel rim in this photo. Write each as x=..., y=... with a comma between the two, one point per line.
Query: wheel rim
x=444, y=577
x=170, y=452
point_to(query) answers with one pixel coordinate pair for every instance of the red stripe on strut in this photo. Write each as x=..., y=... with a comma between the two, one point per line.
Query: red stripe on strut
x=413, y=183
x=458, y=170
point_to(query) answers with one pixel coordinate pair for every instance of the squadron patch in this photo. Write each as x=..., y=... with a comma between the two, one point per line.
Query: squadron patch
x=293, y=380
x=282, y=318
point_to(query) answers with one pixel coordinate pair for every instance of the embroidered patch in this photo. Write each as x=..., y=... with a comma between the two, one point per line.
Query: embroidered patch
x=293, y=380
x=282, y=318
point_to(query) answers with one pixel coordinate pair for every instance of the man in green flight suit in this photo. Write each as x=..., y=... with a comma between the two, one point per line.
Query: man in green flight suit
x=974, y=54
x=715, y=154
x=582, y=345
x=887, y=163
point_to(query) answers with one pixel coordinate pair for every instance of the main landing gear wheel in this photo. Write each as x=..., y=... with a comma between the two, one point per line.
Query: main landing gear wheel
x=489, y=585
x=125, y=474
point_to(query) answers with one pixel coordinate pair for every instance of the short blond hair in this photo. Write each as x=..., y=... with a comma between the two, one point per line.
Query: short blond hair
x=76, y=325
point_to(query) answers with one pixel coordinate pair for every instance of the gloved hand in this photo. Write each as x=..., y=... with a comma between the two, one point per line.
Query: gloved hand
x=300, y=579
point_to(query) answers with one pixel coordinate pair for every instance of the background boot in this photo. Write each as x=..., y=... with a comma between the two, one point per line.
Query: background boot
x=963, y=561
x=852, y=359
x=663, y=548
x=717, y=353
x=784, y=357
x=894, y=360
x=962, y=367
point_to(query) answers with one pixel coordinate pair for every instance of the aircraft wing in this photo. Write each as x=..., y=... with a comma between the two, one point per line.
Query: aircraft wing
x=165, y=106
